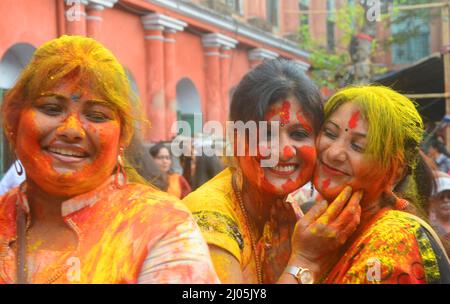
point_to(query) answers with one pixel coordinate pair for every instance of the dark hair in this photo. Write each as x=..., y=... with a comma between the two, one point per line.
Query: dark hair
x=145, y=169
x=157, y=147
x=270, y=82
x=206, y=167
x=439, y=146
x=417, y=188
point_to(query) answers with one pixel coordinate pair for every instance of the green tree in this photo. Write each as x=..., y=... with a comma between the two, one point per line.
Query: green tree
x=358, y=23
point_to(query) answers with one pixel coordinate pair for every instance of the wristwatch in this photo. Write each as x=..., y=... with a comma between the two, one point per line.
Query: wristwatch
x=303, y=275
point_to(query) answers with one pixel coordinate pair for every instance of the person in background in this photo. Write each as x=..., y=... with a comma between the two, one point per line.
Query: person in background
x=205, y=168
x=12, y=178
x=439, y=208
x=176, y=183
x=199, y=169
x=136, y=155
x=439, y=154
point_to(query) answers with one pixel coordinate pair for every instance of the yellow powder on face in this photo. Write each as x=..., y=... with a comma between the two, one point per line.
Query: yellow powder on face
x=73, y=122
x=35, y=246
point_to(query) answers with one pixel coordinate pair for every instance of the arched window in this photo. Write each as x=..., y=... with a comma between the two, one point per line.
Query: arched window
x=188, y=105
x=12, y=63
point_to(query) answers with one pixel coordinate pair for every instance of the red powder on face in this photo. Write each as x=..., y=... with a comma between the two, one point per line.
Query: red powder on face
x=28, y=147
x=374, y=182
x=270, y=114
x=353, y=122
x=257, y=178
x=288, y=152
x=303, y=122
x=263, y=152
x=40, y=166
x=72, y=122
x=284, y=114
x=282, y=111
x=326, y=184
x=289, y=186
x=267, y=186
x=307, y=156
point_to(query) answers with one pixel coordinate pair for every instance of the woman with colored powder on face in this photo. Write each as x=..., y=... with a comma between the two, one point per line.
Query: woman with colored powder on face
x=242, y=211
x=370, y=140
x=80, y=217
x=177, y=184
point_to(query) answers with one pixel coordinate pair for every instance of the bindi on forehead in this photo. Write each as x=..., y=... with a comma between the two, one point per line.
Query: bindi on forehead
x=75, y=96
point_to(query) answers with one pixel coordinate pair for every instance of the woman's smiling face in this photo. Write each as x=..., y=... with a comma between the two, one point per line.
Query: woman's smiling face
x=342, y=160
x=68, y=139
x=296, y=152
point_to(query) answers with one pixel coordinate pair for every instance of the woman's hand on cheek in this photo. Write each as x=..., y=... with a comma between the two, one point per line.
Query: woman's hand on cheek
x=325, y=228
x=276, y=240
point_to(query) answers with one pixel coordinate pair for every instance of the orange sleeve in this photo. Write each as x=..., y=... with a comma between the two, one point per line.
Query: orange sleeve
x=185, y=187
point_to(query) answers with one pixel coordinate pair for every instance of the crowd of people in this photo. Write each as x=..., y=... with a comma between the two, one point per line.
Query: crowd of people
x=352, y=198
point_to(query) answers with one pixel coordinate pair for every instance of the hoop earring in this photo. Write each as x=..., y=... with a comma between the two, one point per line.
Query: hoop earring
x=18, y=166
x=120, y=179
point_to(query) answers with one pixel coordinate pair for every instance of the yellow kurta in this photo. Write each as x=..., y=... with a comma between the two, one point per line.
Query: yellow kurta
x=216, y=209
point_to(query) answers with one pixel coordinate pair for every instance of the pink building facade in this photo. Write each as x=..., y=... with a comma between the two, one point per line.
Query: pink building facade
x=182, y=58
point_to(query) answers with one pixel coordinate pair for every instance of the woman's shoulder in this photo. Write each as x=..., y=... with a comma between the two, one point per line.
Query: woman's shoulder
x=396, y=227
x=151, y=201
x=214, y=194
x=407, y=242
x=215, y=210
x=8, y=200
x=8, y=203
x=390, y=232
x=398, y=221
x=394, y=248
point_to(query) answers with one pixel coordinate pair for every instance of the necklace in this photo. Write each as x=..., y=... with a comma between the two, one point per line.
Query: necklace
x=248, y=227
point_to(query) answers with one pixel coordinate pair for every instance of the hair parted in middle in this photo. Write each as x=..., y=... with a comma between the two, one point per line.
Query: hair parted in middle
x=270, y=82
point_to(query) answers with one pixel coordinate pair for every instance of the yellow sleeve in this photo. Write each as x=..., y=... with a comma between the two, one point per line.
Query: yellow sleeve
x=389, y=252
x=217, y=221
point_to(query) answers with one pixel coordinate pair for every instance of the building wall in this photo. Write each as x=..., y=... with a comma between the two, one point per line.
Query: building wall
x=436, y=32
x=190, y=62
x=239, y=65
x=318, y=21
x=290, y=18
x=255, y=8
x=19, y=22
x=122, y=33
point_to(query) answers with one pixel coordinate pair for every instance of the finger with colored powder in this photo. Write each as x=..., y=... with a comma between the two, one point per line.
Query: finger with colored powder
x=336, y=206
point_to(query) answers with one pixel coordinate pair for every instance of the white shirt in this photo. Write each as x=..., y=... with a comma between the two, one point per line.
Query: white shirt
x=11, y=179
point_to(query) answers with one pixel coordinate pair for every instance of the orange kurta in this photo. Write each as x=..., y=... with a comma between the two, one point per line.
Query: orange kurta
x=178, y=186
x=128, y=235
